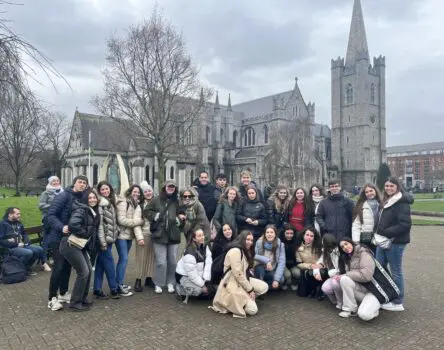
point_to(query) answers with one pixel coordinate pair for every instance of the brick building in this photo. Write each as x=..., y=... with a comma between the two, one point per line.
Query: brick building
x=420, y=166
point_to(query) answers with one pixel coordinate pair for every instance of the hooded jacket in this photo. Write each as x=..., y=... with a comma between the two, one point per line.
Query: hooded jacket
x=394, y=219
x=196, y=264
x=255, y=210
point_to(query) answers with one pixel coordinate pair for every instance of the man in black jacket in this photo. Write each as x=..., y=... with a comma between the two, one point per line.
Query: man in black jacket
x=221, y=185
x=335, y=212
x=58, y=217
x=206, y=195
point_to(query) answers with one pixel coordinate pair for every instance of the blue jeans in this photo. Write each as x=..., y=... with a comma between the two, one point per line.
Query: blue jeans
x=123, y=247
x=105, y=264
x=393, y=258
x=264, y=275
x=28, y=254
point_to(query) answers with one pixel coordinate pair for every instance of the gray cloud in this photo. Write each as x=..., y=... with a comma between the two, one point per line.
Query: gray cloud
x=252, y=49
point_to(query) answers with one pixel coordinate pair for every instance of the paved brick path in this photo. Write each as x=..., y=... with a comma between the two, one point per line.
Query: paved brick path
x=285, y=321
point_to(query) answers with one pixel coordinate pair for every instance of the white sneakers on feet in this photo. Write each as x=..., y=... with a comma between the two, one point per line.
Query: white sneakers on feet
x=294, y=287
x=392, y=307
x=171, y=289
x=346, y=314
x=66, y=298
x=46, y=267
x=157, y=290
x=54, y=304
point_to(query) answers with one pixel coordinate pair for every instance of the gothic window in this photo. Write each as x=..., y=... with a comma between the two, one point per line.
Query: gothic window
x=234, y=138
x=349, y=94
x=177, y=134
x=222, y=137
x=172, y=173
x=295, y=111
x=189, y=137
x=265, y=134
x=249, y=137
x=95, y=174
x=147, y=173
x=372, y=93
x=207, y=133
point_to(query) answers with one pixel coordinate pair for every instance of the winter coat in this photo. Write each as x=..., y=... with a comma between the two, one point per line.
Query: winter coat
x=277, y=217
x=279, y=261
x=290, y=251
x=220, y=244
x=335, y=215
x=196, y=264
x=367, y=225
x=206, y=197
x=108, y=228
x=255, y=210
x=305, y=257
x=12, y=231
x=243, y=192
x=362, y=265
x=83, y=223
x=46, y=199
x=168, y=226
x=60, y=211
x=146, y=223
x=226, y=214
x=395, y=220
x=332, y=270
x=307, y=219
x=195, y=219
x=218, y=192
x=129, y=218
x=233, y=292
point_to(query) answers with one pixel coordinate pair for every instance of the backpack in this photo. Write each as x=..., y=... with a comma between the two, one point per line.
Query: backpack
x=217, y=267
x=13, y=270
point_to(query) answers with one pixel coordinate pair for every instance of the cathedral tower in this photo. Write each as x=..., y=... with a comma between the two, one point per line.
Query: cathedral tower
x=358, y=108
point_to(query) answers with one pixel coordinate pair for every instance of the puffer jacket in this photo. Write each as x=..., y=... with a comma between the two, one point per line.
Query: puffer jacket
x=279, y=261
x=362, y=265
x=255, y=210
x=305, y=257
x=395, y=221
x=367, y=225
x=196, y=264
x=226, y=214
x=108, y=228
x=129, y=219
x=83, y=223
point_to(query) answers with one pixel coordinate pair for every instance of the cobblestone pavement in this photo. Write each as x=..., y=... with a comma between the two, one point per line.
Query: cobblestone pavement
x=284, y=321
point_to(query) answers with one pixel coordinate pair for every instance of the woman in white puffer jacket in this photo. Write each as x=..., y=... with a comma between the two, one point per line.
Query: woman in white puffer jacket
x=193, y=271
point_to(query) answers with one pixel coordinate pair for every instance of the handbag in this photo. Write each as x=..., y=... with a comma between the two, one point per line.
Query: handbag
x=382, y=285
x=366, y=238
x=77, y=242
x=382, y=241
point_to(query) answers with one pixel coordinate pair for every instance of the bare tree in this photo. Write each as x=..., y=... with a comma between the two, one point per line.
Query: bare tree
x=150, y=79
x=290, y=158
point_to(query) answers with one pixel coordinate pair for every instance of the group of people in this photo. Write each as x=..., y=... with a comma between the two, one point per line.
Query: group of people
x=224, y=243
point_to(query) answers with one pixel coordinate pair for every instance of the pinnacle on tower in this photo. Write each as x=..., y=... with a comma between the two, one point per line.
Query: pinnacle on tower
x=201, y=96
x=229, y=103
x=357, y=41
x=216, y=104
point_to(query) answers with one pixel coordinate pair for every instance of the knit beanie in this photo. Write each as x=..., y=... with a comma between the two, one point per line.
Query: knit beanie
x=145, y=186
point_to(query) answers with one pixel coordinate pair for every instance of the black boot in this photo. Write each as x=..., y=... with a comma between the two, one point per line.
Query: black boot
x=138, y=286
x=149, y=282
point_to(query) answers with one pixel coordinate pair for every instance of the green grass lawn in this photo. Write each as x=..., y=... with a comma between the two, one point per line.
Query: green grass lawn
x=431, y=206
x=7, y=191
x=31, y=215
x=420, y=222
x=428, y=195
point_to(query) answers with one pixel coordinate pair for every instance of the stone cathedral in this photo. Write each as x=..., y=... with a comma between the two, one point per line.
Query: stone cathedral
x=231, y=138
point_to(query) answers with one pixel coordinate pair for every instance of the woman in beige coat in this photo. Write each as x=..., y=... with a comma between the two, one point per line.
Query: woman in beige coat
x=129, y=218
x=237, y=291
x=145, y=253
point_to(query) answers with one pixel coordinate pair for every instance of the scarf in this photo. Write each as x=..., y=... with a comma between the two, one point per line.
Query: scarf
x=268, y=246
x=374, y=205
x=317, y=199
x=56, y=190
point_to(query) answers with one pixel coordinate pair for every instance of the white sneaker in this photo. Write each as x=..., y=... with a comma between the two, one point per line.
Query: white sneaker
x=171, y=288
x=46, y=267
x=346, y=314
x=392, y=307
x=294, y=287
x=54, y=304
x=125, y=286
x=158, y=290
x=66, y=298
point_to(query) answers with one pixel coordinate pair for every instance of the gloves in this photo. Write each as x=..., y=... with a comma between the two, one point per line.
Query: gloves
x=156, y=217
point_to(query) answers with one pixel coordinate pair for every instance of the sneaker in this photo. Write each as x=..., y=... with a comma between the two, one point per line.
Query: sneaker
x=294, y=287
x=54, y=304
x=123, y=292
x=100, y=295
x=65, y=298
x=32, y=273
x=346, y=314
x=125, y=286
x=115, y=294
x=284, y=287
x=392, y=307
x=158, y=290
x=171, y=288
x=46, y=267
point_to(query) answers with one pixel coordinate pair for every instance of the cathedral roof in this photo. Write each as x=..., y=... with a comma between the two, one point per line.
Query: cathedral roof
x=357, y=42
x=322, y=129
x=431, y=146
x=246, y=153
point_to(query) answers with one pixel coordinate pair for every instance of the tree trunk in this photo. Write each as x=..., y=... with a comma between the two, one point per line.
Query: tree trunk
x=17, y=184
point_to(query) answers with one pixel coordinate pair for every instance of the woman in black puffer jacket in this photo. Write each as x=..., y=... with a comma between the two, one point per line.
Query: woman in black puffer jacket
x=83, y=226
x=251, y=214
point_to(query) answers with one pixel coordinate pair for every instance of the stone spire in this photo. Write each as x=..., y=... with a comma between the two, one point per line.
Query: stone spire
x=357, y=41
x=229, y=103
x=216, y=104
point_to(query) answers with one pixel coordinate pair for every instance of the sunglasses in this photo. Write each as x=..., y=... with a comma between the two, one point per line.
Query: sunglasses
x=188, y=196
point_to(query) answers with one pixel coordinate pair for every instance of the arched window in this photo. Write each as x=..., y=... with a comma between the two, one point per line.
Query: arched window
x=164, y=173
x=222, y=141
x=177, y=134
x=191, y=176
x=234, y=138
x=249, y=137
x=95, y=174
x=147, y=173
x=245, y=138
x=349, y=94
x=172, y=173
x=265, y=134
x=207, y=134
x=372, y=93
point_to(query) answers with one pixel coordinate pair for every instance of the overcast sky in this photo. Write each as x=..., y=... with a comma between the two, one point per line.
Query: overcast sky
x=255, y=48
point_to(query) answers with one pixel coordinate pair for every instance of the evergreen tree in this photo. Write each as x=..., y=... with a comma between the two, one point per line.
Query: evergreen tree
x=383, y=174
